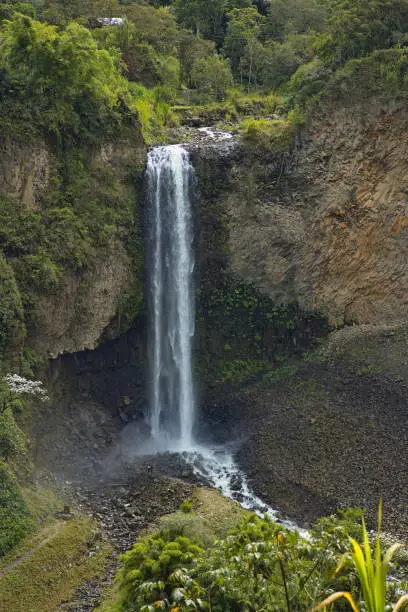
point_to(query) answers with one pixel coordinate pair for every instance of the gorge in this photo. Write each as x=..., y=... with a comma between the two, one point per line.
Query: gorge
x=206, y=271
x=311, y=398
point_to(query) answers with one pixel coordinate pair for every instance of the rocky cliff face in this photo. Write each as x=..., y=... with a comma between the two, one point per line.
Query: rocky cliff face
x=24, y=171
x=84, y=306
x=327, y=223
x=76, y=317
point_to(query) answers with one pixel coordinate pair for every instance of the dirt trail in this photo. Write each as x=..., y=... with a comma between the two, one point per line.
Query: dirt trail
x=47, y=534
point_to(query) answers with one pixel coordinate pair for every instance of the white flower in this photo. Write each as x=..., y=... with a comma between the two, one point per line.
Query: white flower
x=19, y=384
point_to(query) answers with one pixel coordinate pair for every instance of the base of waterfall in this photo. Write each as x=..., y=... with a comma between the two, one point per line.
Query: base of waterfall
x=213, y=465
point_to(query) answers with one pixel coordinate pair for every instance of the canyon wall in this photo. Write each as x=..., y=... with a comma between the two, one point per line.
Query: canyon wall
x=326, y=223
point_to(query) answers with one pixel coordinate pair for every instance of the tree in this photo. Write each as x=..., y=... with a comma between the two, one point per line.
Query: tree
x=358, y=27
x=207, y=17
x=242, y=42
x=212, y=76
x=295, y=16
x=67, y=78
x=191, y=49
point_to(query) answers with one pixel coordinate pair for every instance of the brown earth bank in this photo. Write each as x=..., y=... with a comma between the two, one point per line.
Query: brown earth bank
x=331, y=430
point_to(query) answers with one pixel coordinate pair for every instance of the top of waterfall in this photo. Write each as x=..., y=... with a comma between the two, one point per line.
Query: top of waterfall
x=205, y=138
x=214, y=134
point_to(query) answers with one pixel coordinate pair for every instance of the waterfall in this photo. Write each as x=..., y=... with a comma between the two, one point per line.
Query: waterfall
x=170, y=179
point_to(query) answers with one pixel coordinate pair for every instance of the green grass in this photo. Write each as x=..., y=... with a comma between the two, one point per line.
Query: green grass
x=53, y=565
x=269, y=135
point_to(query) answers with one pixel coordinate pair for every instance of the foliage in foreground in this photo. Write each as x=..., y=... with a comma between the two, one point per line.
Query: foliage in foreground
x=372, y=574
x=258, y=566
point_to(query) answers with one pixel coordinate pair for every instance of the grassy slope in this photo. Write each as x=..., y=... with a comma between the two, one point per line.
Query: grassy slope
x=46, y=569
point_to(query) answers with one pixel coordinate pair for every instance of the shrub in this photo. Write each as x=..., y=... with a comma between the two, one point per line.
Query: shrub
x=372, y=571
x=154, y=571
x=259, y=565
x=382, y=75
x=188, y=525
x=11, y=310
x=186, y=506
x=212, y=76
x=309, y=80
x=269, y=135
x=15, y=521
x=11, y=437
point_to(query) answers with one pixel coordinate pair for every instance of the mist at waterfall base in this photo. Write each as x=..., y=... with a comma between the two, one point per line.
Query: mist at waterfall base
x=170, y=254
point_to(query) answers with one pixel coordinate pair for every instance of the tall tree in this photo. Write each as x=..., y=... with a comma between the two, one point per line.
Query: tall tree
x=358, y=27
x=242, y=42
x=207, y=17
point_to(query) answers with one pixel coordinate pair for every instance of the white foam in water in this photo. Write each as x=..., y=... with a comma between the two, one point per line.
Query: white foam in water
x=171, y=309
x=218, y=467
x=215, y=134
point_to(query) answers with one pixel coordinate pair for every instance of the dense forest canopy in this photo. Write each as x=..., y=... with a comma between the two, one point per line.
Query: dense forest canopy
x=81, y=70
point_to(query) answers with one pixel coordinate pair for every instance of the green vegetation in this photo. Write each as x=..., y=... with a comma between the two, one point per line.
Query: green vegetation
x=71, y=86
x=186, y=506
x=15, y=519
x=255, y=565
x=268, y=135
x=65, y=72
x=11, y=310
x=153, y=569
x=372, y=574
x=249, y=333
x=47, y=572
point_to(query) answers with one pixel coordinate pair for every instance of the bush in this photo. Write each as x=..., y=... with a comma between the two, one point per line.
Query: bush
x=382, y=75
x=271, y=135
x=11, y=310
x=154, y=110
x=259, y=565
x=155, y=570
x=11, y=437
x=188, y=525
x=308, y=81
x=212, y=76
x=15, y=521
x=186, y=506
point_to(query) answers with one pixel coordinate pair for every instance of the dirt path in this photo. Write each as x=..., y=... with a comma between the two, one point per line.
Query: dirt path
x=46, y=535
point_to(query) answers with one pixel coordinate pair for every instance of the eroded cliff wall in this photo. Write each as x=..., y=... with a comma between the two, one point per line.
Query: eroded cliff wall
x=326, y=223
x=75, y=299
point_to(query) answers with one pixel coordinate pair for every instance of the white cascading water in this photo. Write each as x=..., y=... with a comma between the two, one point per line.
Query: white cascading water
x=171, y=181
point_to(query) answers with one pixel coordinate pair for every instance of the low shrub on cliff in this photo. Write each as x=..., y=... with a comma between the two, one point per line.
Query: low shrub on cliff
x=11, y=310
x=272, y=135
x=15, y=520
